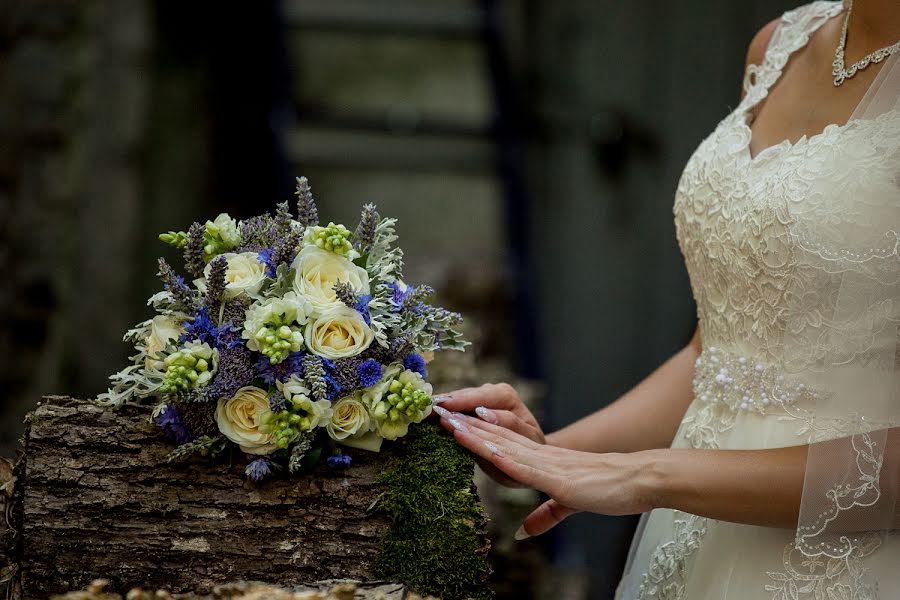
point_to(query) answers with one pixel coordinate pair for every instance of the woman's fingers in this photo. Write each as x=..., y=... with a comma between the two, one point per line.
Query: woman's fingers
x=500, y=396
x=509, y=420
x=496, y=431
x=544, y=518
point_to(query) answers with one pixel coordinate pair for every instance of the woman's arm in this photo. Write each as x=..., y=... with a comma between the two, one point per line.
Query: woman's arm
x=754, y=487
x=623, y=426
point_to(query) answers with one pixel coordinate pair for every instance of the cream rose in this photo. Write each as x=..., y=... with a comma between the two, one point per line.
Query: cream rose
x=239, y=419
x=163, y=329
x=349, y=417
x=317, y=272
x=341, y=332
x=313, y=413
x=245, y=274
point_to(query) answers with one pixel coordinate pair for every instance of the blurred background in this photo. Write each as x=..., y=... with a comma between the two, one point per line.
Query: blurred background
x=530, y=150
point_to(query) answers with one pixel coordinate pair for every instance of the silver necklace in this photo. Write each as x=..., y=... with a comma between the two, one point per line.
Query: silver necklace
x=842, y=73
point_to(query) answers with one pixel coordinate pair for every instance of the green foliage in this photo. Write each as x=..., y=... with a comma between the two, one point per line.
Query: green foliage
x=434, y=544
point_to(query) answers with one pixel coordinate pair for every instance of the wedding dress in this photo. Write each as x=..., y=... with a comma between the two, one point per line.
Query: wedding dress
x=794, y=265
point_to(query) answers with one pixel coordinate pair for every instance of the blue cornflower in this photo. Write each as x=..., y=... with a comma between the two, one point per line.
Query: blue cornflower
x=333, y=387
x=170, y=422
x=264, y=255
x=370, y=372
x=362, y=307
x=339, y=461
x=202, y=328
x=415, y=363
x=260, y=469
x=397, y=295
x=269, y=373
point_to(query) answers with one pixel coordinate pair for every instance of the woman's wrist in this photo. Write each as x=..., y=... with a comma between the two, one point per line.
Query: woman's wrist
x=654, y=476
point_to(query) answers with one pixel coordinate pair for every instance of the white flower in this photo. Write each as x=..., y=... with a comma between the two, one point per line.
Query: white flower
x=163, y=329
x=274, y=312
x=317, y=272
x=297, y=395
x=341, y=332
x=245, y=274
x=239, y=419
x=349, y=417
x=226, y=229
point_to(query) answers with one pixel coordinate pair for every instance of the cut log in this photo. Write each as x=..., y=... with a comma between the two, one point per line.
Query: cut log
x=100, y=500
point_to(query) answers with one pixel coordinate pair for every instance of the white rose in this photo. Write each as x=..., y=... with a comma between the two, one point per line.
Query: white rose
x=317, y=272
x=163, y=329
x=245, y=274
x=239, y=419
x=341, y=332
x=349, y=417
x=298, y=396
x=226, y=229
x=288, y=310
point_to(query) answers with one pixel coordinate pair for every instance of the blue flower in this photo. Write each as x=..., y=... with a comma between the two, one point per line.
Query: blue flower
x=339, y=461
x=362, y=307
x=203, y=329
x=170, y=422
x=269, y=373
x=370, y=372
x=415, y=363
x=264, y=255
x=397, y=295
x=260, y=469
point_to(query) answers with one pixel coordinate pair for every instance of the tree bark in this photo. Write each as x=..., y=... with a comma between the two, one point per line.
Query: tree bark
x=100, y=500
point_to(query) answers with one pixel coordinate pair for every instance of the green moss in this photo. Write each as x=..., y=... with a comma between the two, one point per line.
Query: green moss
x=436, y=544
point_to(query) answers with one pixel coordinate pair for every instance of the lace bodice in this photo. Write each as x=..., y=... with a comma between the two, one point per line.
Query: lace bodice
x=755, y=231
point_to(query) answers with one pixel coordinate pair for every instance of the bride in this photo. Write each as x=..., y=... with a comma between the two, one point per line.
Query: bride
x=766, y=453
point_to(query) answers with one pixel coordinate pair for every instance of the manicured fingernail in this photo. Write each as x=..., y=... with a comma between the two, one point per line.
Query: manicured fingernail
x=457, y=425
x=493, y=448
x=441, y=411
x=486, y=414
x=440, y=398
x=521, y=534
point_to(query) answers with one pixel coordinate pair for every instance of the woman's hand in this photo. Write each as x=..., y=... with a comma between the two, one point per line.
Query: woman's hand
x=498, y=404
x=610, y=484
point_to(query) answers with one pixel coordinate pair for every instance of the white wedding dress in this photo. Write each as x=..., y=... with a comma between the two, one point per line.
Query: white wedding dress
x=792, y=256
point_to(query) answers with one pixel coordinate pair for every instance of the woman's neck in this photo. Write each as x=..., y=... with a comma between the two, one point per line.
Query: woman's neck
x=874, y=23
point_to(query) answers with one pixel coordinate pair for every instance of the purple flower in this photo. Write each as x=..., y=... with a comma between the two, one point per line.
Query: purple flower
x=339, y=461
x=260, y=469
x=370, y=372
x=415, y=363
x=235, y=371
x=203, y=329
x=170, y=422
x=397, y=295
x=269, y=373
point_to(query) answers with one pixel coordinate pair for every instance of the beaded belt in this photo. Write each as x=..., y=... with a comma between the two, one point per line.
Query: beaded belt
x=745, y=385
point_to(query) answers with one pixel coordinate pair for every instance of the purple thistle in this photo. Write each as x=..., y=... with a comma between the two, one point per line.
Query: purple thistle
x=415, y=363
x=370, y=372
x=364, y=236
x=260, y=469
x=193, y=250
x=339, y=461
x=269, y=373
x=215, y=283
x=307, y=213
x=170, y=422
x=175, y=285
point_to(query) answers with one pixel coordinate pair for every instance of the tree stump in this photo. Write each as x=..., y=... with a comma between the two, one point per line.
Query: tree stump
x=100, y=500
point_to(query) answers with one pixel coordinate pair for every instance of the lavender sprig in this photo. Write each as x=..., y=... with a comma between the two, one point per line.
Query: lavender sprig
x=193, y=250
x=286, y=249
x=282, y=218
x=344, y=292
x=175, y=285
x=314, y=373
x=415, y=298
x=215, y=283
x=307, y=213
x=364, y=236
x=298, y=452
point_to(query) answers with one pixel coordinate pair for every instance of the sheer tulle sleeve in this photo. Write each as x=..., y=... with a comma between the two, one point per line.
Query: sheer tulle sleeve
x=842, y=342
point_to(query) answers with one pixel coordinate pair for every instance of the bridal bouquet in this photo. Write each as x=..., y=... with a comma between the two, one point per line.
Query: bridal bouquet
x=290, y=339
